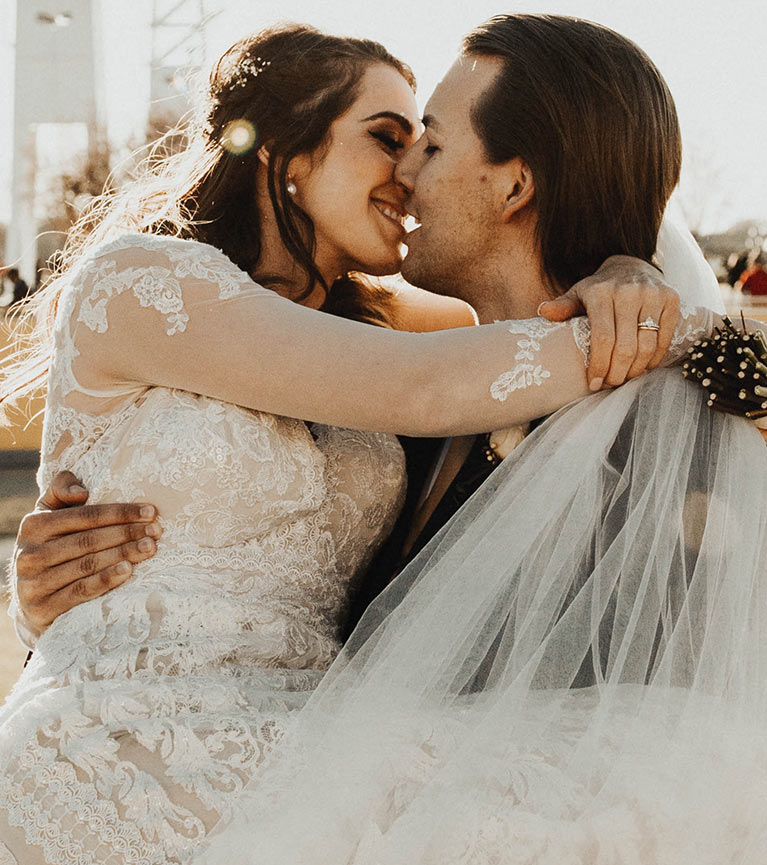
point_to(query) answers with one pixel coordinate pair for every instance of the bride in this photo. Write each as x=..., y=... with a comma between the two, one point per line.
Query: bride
x=144, y=713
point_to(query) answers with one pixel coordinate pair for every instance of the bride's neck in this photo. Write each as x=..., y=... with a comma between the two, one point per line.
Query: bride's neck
x=278, y=267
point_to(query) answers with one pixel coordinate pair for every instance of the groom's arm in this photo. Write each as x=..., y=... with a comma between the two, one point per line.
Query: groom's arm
x=68, y=552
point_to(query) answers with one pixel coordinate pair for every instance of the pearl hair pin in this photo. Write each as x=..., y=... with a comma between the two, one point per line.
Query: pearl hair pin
x=246, y=70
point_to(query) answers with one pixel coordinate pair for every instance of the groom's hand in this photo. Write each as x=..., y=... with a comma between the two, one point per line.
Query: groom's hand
x=623, y=292
x=68, y=552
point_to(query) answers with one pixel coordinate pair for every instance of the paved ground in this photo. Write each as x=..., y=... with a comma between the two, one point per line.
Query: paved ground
x=18, y=488
x=736, y=301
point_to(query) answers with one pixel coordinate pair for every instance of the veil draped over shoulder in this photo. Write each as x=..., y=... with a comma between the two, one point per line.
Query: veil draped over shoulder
x=683, y=266
x=572, y=672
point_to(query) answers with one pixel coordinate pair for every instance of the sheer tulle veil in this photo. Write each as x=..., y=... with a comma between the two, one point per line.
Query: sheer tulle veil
x=572, y=671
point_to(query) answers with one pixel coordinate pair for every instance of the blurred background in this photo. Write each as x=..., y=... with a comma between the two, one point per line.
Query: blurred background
x=84, y=83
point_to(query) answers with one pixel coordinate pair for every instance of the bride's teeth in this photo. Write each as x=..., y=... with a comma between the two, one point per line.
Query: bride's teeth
x=392, y=214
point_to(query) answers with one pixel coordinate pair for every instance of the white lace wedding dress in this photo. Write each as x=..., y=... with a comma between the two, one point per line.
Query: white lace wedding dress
x=143, y=713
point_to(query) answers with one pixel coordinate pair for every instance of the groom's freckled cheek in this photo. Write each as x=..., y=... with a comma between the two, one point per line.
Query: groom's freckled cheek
x=483, y=178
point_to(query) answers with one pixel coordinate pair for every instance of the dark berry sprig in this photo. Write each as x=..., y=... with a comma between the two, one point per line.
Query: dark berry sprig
x=731, y=365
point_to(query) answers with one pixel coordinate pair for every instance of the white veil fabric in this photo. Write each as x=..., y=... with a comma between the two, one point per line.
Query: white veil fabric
x=572, y=672
x=684, y=267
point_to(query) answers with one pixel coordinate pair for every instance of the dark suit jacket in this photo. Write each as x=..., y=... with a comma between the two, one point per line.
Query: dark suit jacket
x=389, y=561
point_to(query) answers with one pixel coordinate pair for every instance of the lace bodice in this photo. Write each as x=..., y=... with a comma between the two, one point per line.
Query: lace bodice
x=181, y=678
x=289, y=512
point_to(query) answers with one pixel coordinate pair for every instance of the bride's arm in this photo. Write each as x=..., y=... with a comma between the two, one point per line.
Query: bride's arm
x=64, y=565
x=142, y=318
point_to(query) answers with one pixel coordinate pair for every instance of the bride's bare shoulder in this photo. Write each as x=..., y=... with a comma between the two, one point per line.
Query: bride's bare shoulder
x=415, y=309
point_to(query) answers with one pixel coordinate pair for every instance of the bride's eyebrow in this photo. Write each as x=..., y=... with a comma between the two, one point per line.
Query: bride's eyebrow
x=403, y=122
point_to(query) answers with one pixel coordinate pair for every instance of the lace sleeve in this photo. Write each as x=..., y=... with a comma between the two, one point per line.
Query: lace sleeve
x=528, y=371
x=133, y=287
x=695, y=322
x=172, y=313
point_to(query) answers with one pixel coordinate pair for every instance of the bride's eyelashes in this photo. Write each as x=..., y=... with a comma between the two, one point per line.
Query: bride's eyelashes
x=390, y=142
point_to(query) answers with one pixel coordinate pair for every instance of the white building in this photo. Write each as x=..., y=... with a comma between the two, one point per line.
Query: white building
x=55, y=82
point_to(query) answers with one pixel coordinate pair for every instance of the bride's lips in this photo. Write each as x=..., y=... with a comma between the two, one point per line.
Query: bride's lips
x=393, y=213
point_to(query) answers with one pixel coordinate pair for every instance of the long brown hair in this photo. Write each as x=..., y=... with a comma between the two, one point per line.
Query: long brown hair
x=283, y=88
x=591, y=115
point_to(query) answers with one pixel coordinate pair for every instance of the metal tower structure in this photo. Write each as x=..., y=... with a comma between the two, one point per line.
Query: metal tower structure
x=178, y=49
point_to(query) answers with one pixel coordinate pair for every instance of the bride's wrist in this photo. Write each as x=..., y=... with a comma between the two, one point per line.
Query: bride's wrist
x=695, y=323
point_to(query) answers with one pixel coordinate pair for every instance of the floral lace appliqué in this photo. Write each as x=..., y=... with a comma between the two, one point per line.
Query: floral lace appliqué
x=582, y=336
x=153, y=286
x=694, y=323
x=527, y=372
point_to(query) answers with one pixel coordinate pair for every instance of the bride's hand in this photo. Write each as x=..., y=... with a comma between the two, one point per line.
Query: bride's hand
x=68, y=552
x=623, y=292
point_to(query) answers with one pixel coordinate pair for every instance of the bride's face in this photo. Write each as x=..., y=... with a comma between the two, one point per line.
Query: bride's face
x=348, y=188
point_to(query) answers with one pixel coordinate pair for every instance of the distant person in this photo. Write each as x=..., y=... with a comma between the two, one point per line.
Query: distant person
x=736, y=265
x=754, y=280
x=20, y=288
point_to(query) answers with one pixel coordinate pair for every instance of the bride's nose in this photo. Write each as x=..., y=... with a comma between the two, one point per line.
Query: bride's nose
x=406, y=169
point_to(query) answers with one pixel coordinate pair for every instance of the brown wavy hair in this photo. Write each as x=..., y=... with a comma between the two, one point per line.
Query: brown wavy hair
x=285, y=86
x=591, y=115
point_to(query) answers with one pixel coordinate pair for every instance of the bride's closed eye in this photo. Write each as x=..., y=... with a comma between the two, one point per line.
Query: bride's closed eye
x=390, y=142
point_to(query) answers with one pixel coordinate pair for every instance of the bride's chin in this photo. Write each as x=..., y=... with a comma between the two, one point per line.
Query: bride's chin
x=382, y=267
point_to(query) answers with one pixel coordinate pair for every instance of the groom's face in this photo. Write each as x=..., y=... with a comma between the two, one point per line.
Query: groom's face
x=453, y=191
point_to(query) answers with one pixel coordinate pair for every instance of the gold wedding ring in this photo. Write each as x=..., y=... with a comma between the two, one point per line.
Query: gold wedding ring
x=648, y=324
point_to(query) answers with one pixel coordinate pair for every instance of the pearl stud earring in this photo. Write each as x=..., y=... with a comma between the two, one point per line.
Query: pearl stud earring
x=291, y=187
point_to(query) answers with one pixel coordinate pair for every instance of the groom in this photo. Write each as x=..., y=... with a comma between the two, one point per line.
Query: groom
x=487, y=212
x=482, y=219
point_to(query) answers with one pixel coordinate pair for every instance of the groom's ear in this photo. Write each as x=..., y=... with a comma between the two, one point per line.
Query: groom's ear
x=520, y=187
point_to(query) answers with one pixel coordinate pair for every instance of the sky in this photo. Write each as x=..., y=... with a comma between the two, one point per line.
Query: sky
x=712, y=53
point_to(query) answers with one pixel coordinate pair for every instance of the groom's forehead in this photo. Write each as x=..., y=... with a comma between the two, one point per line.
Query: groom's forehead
x=461, y=87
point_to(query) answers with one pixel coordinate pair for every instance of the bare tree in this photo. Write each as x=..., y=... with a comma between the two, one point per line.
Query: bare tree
x=704, y=190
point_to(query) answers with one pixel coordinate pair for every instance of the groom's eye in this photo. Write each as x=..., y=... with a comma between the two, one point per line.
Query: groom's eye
x=430, y=149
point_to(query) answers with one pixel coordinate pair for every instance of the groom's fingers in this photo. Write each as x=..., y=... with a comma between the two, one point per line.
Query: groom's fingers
x=43, y=525
x=47, y=593
x=41, y=612
x=67, y=548
x=64, y=556
x=65, y=490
